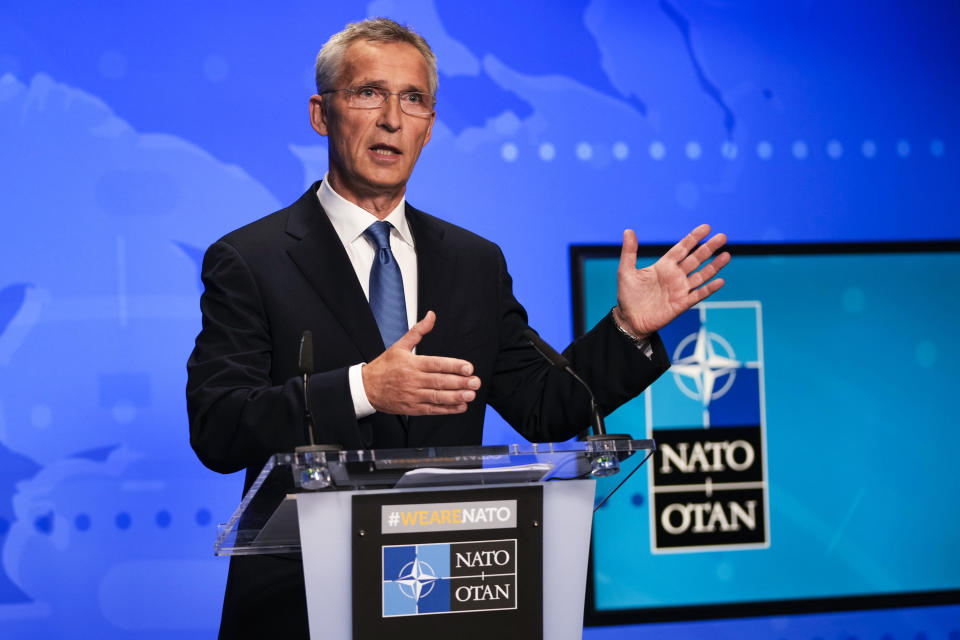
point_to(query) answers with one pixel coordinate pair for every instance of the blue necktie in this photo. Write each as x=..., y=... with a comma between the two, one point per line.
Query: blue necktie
x=386, y=286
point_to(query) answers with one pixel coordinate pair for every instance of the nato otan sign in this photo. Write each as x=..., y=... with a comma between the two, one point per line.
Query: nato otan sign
x=709, y=477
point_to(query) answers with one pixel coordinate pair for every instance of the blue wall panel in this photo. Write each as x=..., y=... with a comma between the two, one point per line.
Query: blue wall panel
x=132, y=135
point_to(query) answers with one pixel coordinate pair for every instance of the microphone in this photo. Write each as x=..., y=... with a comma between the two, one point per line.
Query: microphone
x=306, y=368
x=556, y=359
x=306, y=353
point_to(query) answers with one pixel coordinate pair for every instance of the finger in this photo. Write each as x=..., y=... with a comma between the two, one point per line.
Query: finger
x=709, y=270
x=706, y=290
x=445, y=398
x=449, y=381
x=440, y=364
x=436, y=409
x=716, y=242
x=415, y=334
x=702, y=253
x=695, y=259
x=680, y=250
x=628, y=252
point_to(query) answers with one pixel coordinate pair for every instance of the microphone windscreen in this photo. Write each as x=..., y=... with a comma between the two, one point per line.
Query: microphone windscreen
x=545, y=349
x=306, y=352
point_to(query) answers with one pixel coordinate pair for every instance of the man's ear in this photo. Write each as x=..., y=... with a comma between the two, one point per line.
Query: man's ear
x=318, y=115
x=433, y=118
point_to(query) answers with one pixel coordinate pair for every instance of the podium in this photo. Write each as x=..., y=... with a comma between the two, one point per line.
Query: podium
x=441, y=539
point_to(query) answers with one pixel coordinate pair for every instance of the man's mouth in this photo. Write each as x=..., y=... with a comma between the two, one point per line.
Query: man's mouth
x=385, y=150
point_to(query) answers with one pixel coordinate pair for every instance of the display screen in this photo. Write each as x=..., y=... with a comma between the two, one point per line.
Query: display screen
x=806, y=433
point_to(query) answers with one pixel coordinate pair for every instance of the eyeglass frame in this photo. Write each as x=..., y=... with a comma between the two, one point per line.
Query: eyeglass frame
x=386, y=96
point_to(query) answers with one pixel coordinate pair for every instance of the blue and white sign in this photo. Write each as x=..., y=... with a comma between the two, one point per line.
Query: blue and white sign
x=709, y=481
x=421, y=579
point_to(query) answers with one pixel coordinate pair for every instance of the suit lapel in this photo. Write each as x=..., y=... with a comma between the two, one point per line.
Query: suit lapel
x=320, y=255
x=436, y=279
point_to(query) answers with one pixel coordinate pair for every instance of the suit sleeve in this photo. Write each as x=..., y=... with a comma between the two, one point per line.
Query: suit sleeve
x=546, y=404
x=240, y=414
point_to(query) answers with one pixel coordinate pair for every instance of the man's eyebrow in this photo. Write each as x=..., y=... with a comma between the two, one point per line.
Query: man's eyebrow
x=382, y=84
x=379, y=84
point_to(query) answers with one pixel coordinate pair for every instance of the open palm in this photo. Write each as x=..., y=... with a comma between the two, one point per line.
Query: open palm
x=648, y=299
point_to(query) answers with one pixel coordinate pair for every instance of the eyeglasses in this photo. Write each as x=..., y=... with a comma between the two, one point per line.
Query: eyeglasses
x=412, y=103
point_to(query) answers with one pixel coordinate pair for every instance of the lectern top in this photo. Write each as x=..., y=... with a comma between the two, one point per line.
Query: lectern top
x=266, y=519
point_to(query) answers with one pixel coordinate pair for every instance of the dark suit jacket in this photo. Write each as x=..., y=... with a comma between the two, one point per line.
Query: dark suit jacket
x=270, y=280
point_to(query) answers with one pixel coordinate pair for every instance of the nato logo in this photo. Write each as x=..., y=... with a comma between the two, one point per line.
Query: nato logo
x=709, y=479
x=421, y=579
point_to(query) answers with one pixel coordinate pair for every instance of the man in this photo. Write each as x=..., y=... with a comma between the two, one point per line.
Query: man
x=328, y=263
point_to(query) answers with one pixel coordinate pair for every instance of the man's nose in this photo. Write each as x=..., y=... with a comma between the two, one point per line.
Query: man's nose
x=390, y=113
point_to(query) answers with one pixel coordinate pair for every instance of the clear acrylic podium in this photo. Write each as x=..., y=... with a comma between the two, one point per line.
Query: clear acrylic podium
x=301, y=502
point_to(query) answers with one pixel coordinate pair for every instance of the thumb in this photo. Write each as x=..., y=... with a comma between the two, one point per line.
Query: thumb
x=628, y=253
x=415, y=334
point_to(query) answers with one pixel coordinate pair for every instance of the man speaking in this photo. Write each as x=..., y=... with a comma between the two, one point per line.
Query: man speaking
x=415, y=324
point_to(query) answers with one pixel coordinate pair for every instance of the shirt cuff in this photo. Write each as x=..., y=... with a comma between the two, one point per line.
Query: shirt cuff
x=646, y=347
x=361, y=405
x=643, y=344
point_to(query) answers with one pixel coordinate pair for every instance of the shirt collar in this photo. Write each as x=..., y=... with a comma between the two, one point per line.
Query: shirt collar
x=350, y=221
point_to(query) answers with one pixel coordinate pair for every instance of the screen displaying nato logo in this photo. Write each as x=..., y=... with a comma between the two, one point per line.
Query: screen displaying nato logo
x=793, y=395
x=708, y=479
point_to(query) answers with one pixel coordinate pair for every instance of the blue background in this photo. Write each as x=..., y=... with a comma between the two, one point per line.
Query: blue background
x=132, y=135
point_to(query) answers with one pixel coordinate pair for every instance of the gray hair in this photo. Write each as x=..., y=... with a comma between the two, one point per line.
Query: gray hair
x=330, y=58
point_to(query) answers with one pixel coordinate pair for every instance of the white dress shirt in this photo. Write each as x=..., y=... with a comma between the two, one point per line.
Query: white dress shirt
x=350, y=221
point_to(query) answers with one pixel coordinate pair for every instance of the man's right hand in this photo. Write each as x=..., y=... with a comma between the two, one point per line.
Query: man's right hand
x=398, y=381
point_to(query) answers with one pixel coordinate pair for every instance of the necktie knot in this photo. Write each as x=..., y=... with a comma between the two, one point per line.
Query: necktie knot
x=379, y=232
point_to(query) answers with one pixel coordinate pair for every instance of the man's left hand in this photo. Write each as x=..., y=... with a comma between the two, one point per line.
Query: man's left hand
x=648, y=299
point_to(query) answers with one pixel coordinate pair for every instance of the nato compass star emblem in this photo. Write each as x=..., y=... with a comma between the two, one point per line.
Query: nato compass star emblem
x=708, y=372
x=416, y=579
